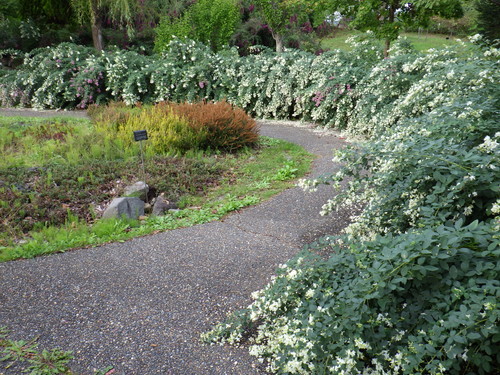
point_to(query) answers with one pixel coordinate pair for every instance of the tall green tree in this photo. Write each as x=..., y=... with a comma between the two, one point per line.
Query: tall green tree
x=97, y=11
x=386, y=18
x=488, y=18
x=277, y=14
x=211, y=22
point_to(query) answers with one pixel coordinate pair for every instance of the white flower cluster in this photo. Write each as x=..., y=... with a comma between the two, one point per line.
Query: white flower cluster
x=308, y=185
x=490, y=145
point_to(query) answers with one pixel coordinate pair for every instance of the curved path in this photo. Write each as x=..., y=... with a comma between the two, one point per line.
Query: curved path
x=141, y=305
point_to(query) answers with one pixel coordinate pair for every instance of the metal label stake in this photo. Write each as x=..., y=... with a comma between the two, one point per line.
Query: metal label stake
x=139, y=136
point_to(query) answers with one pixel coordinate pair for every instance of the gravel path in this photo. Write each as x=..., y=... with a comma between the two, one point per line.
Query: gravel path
x=41, y=113
x=142, y=304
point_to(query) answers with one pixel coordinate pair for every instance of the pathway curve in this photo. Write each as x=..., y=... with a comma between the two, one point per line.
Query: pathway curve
x=142, y=304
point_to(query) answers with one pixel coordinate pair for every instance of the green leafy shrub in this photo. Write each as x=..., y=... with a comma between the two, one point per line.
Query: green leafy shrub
x=170, y=28
x=412, y=286
x=421, y=302
x=212, y=22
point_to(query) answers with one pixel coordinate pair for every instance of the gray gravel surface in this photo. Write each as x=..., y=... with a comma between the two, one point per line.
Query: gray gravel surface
x=41, y=112
x=141, y=305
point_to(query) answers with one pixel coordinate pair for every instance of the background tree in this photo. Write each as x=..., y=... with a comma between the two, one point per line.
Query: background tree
x=277, y=15
x=488, y=18
x=386, y=18
x=46, y=11
x=97, y=11
x=9, y=8
x=211, y=22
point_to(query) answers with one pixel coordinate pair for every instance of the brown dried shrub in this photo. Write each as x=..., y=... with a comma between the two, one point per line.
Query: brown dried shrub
x=228, y=128
x=215, y=126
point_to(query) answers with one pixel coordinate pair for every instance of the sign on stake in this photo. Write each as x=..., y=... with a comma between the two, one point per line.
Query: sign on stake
x=139, y=136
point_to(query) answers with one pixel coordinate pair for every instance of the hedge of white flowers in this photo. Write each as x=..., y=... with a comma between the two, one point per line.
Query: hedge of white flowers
x=291, y=85
x=413, y=285
x=356, y=90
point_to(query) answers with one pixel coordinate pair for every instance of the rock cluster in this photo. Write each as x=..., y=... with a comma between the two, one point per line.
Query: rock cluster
x=133, y=203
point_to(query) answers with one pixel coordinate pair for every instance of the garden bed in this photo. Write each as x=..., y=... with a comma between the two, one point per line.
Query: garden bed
x=58, y=175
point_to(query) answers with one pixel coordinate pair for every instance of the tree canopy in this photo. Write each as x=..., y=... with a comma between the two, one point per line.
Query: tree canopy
x=96, y=11
x=386, y=18
x=277, y=14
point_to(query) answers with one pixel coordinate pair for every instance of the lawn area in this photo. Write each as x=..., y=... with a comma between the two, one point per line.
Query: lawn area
x=57, y=176
x=422, y=42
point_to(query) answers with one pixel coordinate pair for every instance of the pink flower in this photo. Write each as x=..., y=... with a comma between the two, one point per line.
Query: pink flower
x=318, y=98
x=201, y=84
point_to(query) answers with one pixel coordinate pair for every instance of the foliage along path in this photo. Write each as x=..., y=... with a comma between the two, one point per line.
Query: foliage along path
x=141, y=305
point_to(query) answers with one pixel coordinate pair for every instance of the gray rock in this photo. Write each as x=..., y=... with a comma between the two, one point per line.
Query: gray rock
x=162, y=205
x=128, y=207
x=140, y=190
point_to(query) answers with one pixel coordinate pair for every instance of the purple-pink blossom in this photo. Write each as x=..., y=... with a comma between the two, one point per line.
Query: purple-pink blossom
x=318, y=98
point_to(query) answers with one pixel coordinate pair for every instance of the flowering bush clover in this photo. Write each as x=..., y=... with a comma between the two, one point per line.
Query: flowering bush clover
x=412, y=287
x=187, y=71
x=359, y=312
x=424, y=172
x=355, y=91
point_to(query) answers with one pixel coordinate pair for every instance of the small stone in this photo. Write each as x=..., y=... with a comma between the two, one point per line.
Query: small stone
x=140, y=190
x=142, y=218
x=162, y=205
x=128, y=207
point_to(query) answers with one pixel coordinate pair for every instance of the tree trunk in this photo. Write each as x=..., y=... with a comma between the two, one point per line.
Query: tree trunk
x=392, y=10
x=386, y=47
x=278, y=38
x=96, y=26
x=97, y=36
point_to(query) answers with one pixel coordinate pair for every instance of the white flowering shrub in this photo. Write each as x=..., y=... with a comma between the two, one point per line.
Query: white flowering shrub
x=380, y=307
x=413, y=286
x=356, y=91
x=65, y=76
x=291, y=85
x=426, y=171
